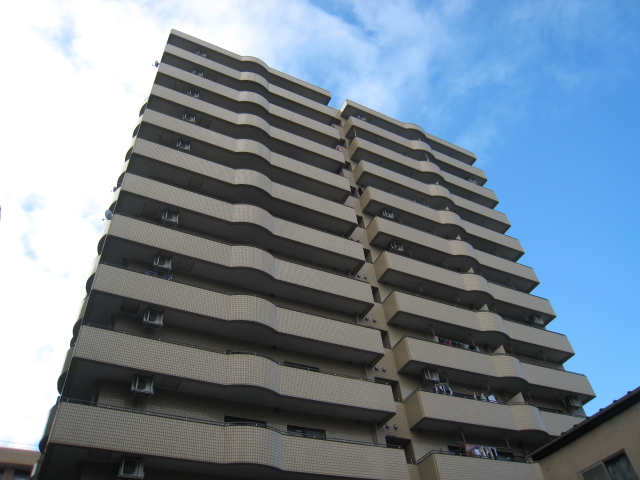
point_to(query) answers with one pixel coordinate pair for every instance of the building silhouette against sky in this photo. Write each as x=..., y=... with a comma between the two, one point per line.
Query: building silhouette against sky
x=286, y=290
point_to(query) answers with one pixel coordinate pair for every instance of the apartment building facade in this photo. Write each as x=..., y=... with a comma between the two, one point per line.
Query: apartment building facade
x=288, y=290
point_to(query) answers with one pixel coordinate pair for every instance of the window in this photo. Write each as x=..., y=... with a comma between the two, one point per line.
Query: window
x=244, y=421
x=617, y=467
x=368, y=258
x=306, y=432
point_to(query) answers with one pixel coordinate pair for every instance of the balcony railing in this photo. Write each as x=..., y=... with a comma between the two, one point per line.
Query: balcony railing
x=231, y=352
x=517, y=357
x=495, y=402
x=151, y=413
x=518, y=458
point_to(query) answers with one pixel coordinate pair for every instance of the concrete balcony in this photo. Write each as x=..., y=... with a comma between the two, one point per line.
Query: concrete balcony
x=443, y=223
x=499, y=371
x=458, y=255
x=367, y=174
x=246, y=81
x=248, y=186
x=438, y=197
x=480, y=215
x=243, y=266
x=42, y=445
x=407, y=130
x=116, y=355
x=446, y=413
x=210, y=217
x=420, y=169
x=467, y=289
x=249, y=64
x=243, y=126
x=247, y=102
x=241, y=316
x=543, y=379
x=65, y=369
x=214, y=146
x=199, y=446
x=414, y=147
x=462, y=366
x=484, y=327
x=444, y=466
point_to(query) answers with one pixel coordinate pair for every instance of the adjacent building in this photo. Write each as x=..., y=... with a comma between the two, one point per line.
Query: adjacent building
x=288, y=290
x=604, y=447
x=16, y=463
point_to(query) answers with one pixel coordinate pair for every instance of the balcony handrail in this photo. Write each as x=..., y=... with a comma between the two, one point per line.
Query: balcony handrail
x=214, y=422
x=185, y=136
x=192, y=190
x=229, y=352
x=448, y=239
x=357, y=138
x=518, y=458
x=492, y=354
x=436, y=210
x=549, y=410
x=459, y=395
x=182, y=282
x=266, y=73
x=506, y=319
x=531, y=362
x=497, y=402
x=437, y=161
x=464, y=273
x=272, y=140
x=220, y=95
x=224, y=242
x=268, y=95
x=449, y=200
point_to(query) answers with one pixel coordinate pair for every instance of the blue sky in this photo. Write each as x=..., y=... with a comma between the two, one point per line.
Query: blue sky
x=545, y=93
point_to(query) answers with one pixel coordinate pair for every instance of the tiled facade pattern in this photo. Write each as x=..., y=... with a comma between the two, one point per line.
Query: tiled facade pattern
x=338, y=298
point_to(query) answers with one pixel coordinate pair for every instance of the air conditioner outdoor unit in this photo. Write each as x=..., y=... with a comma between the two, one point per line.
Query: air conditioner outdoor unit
x=131, y=468
x=388, y=214
x=429, y=375
x=472, y=180
x=197, y=72
x=397, y=247
x=183, y=144
x=189, y=117
x=169, y=217
x=193, y=93
x=574, y=401
x=202, y=53
x=537, y=320
x=162, y=263
x=142, y=386
x=152, y=318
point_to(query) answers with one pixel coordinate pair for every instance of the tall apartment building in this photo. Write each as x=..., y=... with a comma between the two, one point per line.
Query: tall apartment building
x=286, y=290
